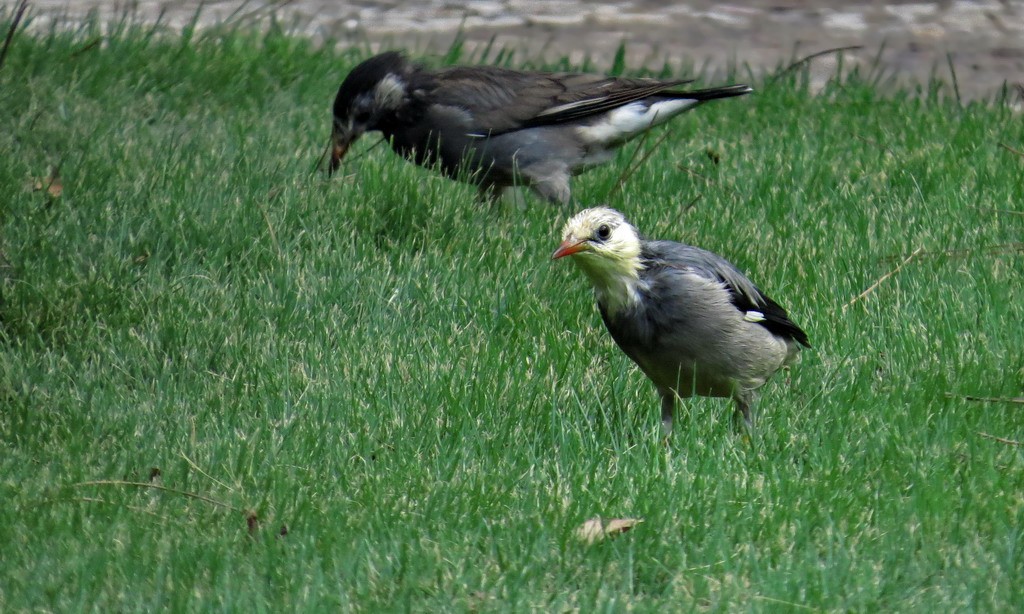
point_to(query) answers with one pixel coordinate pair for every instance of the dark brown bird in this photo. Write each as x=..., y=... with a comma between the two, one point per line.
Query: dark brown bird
x=496, y=127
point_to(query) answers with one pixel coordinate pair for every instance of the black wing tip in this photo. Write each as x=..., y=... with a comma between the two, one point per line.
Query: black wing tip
x=800, y=336
x=714, y=93
x=781, y=325
x=777, y=321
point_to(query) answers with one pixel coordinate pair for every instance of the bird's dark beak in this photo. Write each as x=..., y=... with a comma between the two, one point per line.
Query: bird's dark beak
x=339, y=146
x=568, y=248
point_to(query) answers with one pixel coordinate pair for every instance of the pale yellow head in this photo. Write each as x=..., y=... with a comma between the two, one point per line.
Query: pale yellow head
x=607, y=248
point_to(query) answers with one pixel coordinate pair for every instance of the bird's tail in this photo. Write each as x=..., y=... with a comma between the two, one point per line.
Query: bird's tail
x=713, y=93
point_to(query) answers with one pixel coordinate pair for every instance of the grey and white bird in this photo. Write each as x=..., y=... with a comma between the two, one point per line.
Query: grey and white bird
x=497, y=127
x=692, y=322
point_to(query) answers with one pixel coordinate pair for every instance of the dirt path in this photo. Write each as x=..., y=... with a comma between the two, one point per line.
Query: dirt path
x=984, y=39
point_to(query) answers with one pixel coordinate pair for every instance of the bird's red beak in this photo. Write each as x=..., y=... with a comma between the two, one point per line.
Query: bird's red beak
x=338, y=149
x=568, y=248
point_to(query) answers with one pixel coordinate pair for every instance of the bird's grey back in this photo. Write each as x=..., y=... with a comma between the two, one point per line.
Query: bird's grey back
x=665, y=257
x=503, y=99
x=707, y=264
x=690, y=323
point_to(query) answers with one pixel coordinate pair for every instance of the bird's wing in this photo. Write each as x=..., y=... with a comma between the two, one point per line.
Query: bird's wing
x=746, y=297
x=502, y=100
x=587, y=99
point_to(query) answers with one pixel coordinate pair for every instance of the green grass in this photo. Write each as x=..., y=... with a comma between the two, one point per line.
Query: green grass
x=402, y=378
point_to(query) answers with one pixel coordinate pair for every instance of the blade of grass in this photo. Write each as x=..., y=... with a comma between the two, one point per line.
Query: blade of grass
x=1003, y=248
x=968, y=397
x=881, y=279
x=196, y=467
x=806, y=59
x=1017, y=152
x=18, y=14
x=134, y=508
x=190, y=495
x=956, y=83
x=1009, y=442
x=631, y=168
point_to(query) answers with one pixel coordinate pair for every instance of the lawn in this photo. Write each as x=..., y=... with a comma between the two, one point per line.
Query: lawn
x=228, y=382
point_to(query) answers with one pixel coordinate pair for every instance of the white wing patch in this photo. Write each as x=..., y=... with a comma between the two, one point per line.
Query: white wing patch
x=632, y=119
x=754, y=316
x=571, y=105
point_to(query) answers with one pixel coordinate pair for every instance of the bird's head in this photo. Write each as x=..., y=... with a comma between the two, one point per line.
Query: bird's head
x=607, y=248
x=373, y=90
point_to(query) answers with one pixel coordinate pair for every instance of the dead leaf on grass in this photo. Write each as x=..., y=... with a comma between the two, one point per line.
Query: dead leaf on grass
x=252, y=522
x=596, y=529
x=52, y=185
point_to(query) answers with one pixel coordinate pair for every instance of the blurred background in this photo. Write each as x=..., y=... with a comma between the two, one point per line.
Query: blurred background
x=982, y=41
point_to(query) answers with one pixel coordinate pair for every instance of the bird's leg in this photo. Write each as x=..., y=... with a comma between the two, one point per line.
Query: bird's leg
x=743, y=417
x=489, y=193
x=556, y=195
x=668, y=406
x=550, y=184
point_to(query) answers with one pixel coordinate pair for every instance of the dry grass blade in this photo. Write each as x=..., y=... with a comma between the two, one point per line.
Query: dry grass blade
x=989, y=250
x=196, y=467
x=238, y=17
x=369, y=149
x=997, y=210
x=18, y=14
x=881, y=279
x=956, y=83
x=1012, y=150
x=789, y=605
x=693, y=203
x=134, y=508
x=707, y=180
x=1009, y=442
x=968, y=397
x=875, y=143
x=804, y=60
x=631, y=167
x=190, y=495
x=273, y=235
x=93, y=44
x=320, y=161
x=242, y=16
x=323, y=156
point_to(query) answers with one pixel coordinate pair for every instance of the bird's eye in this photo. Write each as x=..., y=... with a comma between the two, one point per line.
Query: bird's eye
x=603, y=232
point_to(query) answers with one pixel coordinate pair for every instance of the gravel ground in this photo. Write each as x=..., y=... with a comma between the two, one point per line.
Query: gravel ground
x=984, y=39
